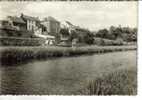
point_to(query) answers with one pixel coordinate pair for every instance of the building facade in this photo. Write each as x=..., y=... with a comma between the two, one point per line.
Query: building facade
x=52, y=25
x=3, y=23
x=31, y=22
x=17, y=23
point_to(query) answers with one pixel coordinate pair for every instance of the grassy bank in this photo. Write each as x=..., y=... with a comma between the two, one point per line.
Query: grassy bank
x=10, y=55
x=120, y=82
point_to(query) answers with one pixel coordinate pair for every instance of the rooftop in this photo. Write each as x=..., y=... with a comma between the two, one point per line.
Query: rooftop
x=29, y=17
x=16, y=19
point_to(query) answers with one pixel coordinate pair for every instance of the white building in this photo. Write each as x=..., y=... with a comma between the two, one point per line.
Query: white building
x=31, y=22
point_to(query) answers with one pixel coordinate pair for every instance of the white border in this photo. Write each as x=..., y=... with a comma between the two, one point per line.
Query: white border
x=140, y=50
x=97, y=97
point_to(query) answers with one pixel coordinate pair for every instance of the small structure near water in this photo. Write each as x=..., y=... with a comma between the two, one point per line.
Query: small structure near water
x=49, y=40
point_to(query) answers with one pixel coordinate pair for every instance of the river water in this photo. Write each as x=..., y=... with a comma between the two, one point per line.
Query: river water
x=62, y=75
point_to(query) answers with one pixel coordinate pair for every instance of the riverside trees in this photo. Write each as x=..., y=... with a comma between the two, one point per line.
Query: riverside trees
x=125, y=33
x=118, y=34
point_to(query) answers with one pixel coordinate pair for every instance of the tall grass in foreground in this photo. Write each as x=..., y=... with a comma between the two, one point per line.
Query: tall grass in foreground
x=120, y=82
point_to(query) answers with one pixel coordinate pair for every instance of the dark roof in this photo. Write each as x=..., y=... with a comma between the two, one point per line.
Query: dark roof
x=16, y=19
x=29, y=17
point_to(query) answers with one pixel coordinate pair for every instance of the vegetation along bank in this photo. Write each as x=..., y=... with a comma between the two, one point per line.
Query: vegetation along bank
x=10, y=55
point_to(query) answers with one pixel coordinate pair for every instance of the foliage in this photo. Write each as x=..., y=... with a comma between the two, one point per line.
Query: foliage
x=88, y=38
x=119, y=34
x=103, y=33
x=125, y=33
x=83, y=35
x=64, y=31
x=120, y=82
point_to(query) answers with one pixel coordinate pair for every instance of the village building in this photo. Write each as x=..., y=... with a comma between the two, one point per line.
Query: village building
x=65, y=38
x=3, y=23
x=31, y=22
x=12, y=27
x=17, y=23
x=39, y=28
x=52, y=25
x=50, y=30
x=49, y=40
x=27, y=26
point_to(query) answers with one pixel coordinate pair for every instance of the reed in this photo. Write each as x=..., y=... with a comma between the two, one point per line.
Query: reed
x=10, y=55
x=120, y=82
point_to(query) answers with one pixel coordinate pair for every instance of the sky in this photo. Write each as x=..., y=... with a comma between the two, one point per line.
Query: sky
x=91, y=15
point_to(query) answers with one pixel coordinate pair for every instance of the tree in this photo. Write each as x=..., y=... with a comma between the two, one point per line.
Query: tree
x=64, y=31
x=103, y=33
x=125, y=33
x=89, y=38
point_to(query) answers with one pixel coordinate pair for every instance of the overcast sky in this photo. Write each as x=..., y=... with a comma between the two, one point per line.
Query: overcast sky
x=91, y=15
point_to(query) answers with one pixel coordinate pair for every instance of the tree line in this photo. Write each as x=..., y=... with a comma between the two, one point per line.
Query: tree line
x=127, y=34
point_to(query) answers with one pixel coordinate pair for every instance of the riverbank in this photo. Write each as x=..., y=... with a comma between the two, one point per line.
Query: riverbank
x=10, y=55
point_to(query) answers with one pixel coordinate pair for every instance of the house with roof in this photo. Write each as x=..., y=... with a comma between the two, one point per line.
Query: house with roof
x=66, y=37
x=27, y=26
x=52, y=25
x=17, y=22
x=5, y=28
x=3, y=23
x=50, y=30
x=31, y=22
x=23, y=26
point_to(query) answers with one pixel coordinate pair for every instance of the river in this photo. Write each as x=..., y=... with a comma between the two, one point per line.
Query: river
x=64, y=75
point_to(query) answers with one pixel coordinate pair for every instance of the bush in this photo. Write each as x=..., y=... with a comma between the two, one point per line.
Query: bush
x=107, y=42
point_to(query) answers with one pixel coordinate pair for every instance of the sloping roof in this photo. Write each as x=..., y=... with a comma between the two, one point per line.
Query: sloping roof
x=49, y=18
x=69, y=23
x=16, y=19
x=29, y=17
